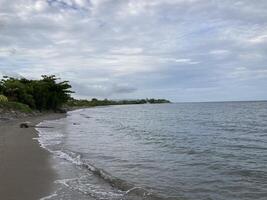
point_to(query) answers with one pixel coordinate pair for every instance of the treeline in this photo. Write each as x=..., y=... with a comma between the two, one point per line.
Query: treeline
x=95, y=102
x=48, y=93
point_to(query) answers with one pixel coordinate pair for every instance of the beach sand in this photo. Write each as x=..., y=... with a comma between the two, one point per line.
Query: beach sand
x=25, y=169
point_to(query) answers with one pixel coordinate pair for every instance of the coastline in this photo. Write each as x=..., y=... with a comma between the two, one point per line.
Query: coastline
x=25, y=169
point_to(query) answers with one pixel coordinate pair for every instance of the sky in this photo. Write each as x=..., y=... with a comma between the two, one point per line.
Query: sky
x=182, y=50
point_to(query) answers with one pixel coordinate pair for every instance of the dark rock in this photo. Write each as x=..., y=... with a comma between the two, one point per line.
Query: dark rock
x=24, y=125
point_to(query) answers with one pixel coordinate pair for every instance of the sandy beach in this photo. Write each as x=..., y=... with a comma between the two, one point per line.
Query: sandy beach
x=25, y=170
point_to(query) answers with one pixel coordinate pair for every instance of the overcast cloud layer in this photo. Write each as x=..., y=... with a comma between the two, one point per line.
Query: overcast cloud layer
x=183, y=50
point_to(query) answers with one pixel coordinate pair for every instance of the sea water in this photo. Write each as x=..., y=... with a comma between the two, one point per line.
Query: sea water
x=195, y=151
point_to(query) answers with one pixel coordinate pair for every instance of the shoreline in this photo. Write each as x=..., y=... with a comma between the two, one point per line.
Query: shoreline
x=25, y=171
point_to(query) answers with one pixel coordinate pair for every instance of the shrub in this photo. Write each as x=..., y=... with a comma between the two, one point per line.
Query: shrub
x=15, y=106
x=45, y=94
x=3, y=98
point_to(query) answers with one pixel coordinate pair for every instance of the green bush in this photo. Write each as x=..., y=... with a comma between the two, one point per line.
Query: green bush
x=15, y=106
x=3, y=98
x=48, y=93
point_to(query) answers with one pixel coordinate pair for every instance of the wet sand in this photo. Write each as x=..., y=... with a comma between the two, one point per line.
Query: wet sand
x=25, y=169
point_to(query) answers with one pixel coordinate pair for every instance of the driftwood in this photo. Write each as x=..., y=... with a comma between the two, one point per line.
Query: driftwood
x=28, y=125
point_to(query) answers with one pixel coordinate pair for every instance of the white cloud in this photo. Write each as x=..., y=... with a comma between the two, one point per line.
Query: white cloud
x=180, y=61
x=259, y=39
x=140, y=44
x=127, y=51
x=219, y=52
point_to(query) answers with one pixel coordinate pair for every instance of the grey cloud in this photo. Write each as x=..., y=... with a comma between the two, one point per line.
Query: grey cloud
x=102, y=90
x=129, y=47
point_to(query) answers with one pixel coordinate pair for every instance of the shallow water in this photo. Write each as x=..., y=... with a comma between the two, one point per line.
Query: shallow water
x=164, y=151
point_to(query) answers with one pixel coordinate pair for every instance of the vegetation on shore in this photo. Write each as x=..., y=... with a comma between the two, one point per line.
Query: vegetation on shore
x=105, y=102
x=49, y=93
x=8, y=106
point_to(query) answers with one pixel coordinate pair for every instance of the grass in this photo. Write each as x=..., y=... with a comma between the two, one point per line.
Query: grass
x=16, y=106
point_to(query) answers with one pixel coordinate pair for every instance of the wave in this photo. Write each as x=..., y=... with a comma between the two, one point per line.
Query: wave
x=49, y=197
x=129, y=190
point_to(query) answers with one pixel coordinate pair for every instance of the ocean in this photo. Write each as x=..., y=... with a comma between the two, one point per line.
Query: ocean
x=190, y=151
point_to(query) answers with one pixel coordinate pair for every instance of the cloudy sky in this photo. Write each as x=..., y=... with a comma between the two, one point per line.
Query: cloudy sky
x=182, y=50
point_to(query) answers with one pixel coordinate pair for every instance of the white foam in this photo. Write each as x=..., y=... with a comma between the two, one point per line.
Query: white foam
x=90, y=189
x=76, y=159
x=49, y=197
x=48, y=137
x=64, y=181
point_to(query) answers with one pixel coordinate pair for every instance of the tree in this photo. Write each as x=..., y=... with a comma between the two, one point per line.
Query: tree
x=44, y=94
